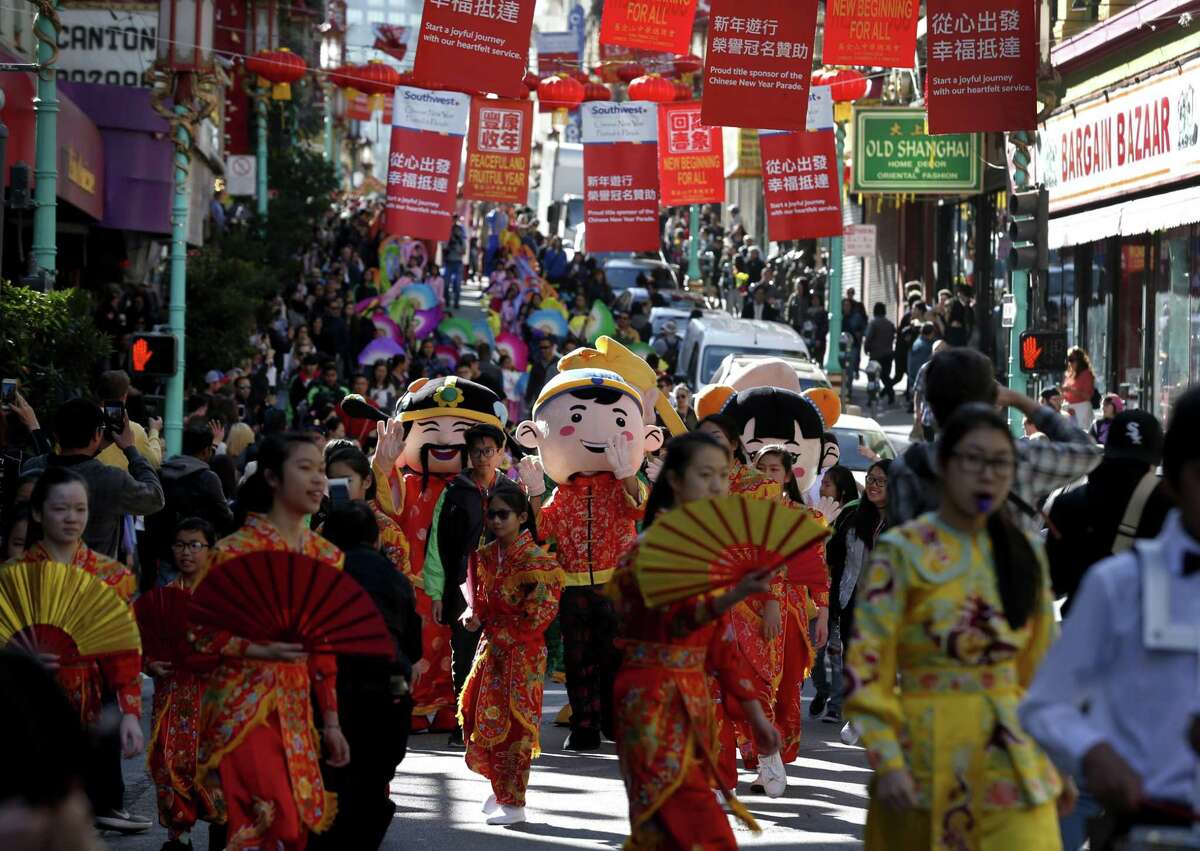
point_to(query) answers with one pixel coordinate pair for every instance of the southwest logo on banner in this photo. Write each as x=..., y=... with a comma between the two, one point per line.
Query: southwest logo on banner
x=649, y=24
x=983, y=57
x=691, y=157
x=423, y=163
x=475, y=45
x=498, y=151
x=875, y=32
x=620, y=176
x=757, y=67
x=801, y=185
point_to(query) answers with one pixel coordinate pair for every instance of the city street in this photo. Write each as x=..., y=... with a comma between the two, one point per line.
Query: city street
x=577, y=800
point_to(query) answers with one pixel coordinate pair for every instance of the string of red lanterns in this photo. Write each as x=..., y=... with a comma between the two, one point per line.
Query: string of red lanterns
x=280, y=68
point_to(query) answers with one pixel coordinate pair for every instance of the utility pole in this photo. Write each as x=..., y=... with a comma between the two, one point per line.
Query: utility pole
x=45, y=168
x=833, y=295
x=1029, y=222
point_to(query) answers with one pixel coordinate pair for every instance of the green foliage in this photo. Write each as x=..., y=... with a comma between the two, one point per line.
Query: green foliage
x=225, y=297
x=50, y=342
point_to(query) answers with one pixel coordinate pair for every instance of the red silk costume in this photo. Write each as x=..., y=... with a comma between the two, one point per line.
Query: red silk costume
x=593, y=521
x=515, y=594
x=84, y=682
x=174, y=742
x=259, y=755
x=410, y=506
x=666, y=722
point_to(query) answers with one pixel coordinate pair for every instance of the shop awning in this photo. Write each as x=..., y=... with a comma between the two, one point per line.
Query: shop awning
x=1129, y=218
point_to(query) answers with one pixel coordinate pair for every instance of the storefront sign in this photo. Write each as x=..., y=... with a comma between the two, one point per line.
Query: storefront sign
x=620, y=176
x=983, y=58
x=871, y=32
x=649, y=24
x=743, y=157
x=859, y=241
x=800, y=181
x=893, y=153
x=820, y=108
x=498, y=151
x=475, y=45
x=757, y=68
x=691, y=161
x=423, y=163
x=1137, y=137
x=111, y=47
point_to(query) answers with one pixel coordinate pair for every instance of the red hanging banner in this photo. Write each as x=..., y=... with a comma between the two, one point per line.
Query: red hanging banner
x=800, y=185
x=871, y=32
x=422, y=178
x=691, y=157
x=475, y=45
x=983, y=57
x=498, y=151
x=620, y=176
x=358, y=108
x=757, y=69
x=649, y=24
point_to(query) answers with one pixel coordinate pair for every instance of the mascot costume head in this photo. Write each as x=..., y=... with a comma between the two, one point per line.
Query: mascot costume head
x=436, y=415
x=583, y=409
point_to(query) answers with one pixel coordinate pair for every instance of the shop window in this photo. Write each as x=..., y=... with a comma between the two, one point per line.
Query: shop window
x=1132, y=291
x=1177, y=318
x=1060, y=293
x=1099, y=300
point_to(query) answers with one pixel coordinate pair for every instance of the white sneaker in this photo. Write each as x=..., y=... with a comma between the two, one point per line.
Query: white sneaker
x=508, y=815
x=849, y=734
x=773, y=774
x=490, y=805
x=756, y=785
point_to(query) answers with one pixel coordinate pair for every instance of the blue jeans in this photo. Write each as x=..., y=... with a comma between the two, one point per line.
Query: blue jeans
x=453, y=275
x=1073, y=827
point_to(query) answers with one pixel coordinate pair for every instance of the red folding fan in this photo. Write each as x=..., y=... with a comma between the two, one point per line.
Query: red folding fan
x=281, y=596
x=162, y=617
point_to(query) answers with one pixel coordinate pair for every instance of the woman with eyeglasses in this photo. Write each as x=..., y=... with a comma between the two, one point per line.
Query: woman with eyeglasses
x=953, y=615
x=514, y=587
x=858, y=527
x=174, y=738
x=345, y=461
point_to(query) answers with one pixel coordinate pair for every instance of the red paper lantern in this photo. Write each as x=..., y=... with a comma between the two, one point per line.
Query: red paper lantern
x=653, y=88
x=279, y=67
x=683, y=91
x=560, y=93
x=629, y=71
x=531, y=81
x=846, y=85
x=593, y=91
x=685, y=66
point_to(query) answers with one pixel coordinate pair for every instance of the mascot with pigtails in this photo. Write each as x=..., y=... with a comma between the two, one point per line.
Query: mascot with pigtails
x=764, y=407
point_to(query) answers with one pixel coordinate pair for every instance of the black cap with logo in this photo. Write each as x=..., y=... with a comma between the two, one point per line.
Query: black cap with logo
x=1137, y=436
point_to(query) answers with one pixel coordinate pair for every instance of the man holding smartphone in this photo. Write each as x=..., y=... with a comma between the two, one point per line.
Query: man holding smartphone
x=113, y=388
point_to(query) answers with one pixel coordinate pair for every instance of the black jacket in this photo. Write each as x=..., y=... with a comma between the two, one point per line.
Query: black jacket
x=394, y=596
x=460, y=532
x=770, y=313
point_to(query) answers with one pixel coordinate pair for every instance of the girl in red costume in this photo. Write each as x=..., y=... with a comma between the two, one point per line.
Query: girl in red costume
x=665, y=719
x=259, y=753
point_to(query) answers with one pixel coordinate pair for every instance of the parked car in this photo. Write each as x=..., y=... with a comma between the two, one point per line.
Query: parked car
x=853, y=433
x=808, y=372
x=716, y=335
x=628, y=270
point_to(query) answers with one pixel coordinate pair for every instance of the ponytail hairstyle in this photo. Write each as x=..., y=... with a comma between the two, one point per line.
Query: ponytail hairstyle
x=347, y=452
x=729, y=427
x=679, y=454
x=1018, y=571
x=256, y=496
x=50, y=478
x=790, y=486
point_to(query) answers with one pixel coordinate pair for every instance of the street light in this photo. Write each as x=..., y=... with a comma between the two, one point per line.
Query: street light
x=181, y=75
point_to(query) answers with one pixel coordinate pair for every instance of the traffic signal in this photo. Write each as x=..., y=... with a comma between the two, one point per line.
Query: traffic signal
x=153, y=354
x=1043, y=351
x=1028, y=223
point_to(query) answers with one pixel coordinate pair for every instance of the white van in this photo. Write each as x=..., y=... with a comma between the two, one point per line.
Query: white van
x=715, y=336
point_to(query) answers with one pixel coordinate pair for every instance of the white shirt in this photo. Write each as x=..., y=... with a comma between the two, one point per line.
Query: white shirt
x=1139, y=701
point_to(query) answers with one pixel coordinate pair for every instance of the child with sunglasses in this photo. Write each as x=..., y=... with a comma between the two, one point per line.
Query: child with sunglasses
x=513, y=589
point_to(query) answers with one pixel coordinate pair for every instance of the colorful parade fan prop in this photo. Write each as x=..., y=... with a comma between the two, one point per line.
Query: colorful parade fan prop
x=640, y=349
x=513, y=346
x=600, y=323
x=548, y=323
x=48, y=607
x=457, y=329
x=162, y=619
x=481, y=332
x=425, y=322
x=382, y=348
x=420, y=296
x=281, y=596
x=711, y=544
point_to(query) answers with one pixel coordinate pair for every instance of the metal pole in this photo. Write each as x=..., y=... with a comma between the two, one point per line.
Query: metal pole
x=328, y=123
x=694, y=243
x=1019, y=282
x=833, y=364
x=45, y=169
x=260, y=108
x=3, y=154
x=173, y=420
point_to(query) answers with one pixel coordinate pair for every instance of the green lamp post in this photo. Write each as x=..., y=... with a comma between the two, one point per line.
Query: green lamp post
x=45, y=168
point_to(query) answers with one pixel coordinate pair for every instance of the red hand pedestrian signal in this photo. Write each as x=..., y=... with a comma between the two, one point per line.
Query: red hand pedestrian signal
x=1030, y=352
x=141, y=354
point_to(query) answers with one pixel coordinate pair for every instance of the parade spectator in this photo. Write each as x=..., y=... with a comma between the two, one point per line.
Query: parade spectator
x=543, y=368
x=758, y=307
x=113, y=389
x=878, y=343
x=1079, y=388
x=1110, y=406
x=453, y=252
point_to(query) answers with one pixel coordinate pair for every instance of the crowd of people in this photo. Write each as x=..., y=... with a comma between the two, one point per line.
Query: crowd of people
x=491, y=493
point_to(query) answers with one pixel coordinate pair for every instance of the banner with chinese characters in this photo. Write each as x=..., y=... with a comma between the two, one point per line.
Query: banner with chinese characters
x=475, y=45
x=882, y=33
x=423, y=163
x=893, y=153
x=800, y=184
x=620, y=176
x=498, y=151
x=649, y=24
x=691, y=157
x=983, y=57
x=757, y=68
